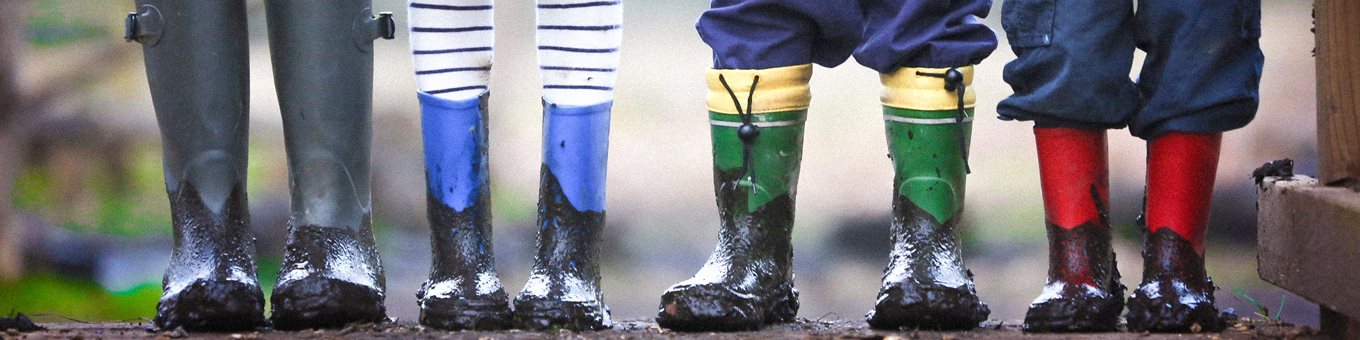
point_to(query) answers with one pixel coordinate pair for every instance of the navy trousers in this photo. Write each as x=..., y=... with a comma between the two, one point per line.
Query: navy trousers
x=1201, y=74
x=883, y=35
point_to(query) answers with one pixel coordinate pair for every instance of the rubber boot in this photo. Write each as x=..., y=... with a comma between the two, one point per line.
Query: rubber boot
x=748, y=280
x=323, y=71
x=1083, y=293
x=925, y=285
x=197, y=67
x=463, y=291
x=563, y=290
x=1176, y=294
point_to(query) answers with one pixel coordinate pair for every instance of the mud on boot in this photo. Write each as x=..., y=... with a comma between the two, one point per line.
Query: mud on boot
x=748, y=281
x=563, y=290
x=210, y=284
x=463, y=292
x=925, y=285
x=1083, y=293
x=330, y=277
x=1176, y=294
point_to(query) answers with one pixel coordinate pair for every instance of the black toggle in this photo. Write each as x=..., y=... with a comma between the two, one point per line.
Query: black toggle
x=748, y=131
x=953, y=81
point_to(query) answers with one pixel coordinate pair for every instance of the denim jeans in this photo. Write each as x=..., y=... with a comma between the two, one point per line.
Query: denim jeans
x=883, y=35
x=1201, y=74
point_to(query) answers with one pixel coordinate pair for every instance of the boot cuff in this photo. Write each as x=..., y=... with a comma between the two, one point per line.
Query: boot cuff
x=908, y=88
x=780, y=89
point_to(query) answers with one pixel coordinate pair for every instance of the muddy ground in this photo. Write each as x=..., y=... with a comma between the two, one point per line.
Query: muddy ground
x=804, y=328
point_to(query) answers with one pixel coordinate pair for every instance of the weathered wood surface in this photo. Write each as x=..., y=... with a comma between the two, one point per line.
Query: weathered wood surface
x=1309, y=241
x=1338, y=95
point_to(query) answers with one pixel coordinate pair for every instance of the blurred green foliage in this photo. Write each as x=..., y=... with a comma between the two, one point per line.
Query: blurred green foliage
x=127, y=206
x=40, y=294
x=50, y=25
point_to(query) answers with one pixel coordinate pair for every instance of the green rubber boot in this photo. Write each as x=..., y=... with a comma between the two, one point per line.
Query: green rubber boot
x=748, y=280
x=925, y=284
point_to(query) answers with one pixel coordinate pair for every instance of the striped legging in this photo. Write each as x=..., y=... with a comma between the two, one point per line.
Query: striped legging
x=578, y=46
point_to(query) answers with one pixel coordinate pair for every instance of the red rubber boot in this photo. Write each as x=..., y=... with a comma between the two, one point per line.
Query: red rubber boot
x=1083, y=293
x=1177, y=294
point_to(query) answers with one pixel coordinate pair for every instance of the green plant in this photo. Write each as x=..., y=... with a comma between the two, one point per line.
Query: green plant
x=1262, y=310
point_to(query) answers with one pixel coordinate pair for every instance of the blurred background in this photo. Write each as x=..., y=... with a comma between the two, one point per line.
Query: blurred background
x=84, y=220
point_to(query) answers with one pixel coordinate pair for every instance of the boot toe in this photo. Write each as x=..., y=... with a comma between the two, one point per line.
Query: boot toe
x=213, y=305
x=930, y=306
x=320, y=302
x=548, y=314
x=1075, y=313
x=712, y=307
x=1172, y=313
x=466, y=313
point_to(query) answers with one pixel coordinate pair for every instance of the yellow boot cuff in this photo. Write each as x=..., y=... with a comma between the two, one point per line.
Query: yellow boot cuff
x=907, y=89
x=780, y=89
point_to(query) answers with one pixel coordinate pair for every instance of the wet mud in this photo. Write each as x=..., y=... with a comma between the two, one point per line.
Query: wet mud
x=210, y=283
x=1083, y=293
x=563, y=291
x=925, y=285
x=798, y=329
x=330, y=277
x=748, y=281
x=1177, y=294
x=464, y=292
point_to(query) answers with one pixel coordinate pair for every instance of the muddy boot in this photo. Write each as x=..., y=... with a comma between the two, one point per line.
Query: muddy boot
x=1177, y=294
x=748, y=281
x=1083, y=293
x=323, y=71
x=196, y=64
x=925, y=284
x=463, y=291
x=563, y=290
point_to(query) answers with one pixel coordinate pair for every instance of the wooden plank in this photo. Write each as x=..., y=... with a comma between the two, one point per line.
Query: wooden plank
x=1309, y=241
x=1338, y=326
x=1338, y=95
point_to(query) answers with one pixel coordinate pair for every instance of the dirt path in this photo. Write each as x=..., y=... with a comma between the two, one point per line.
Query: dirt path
x=803, y=329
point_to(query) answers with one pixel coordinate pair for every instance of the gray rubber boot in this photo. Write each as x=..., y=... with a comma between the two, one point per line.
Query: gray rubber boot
x=323, y=71
x=197, y=66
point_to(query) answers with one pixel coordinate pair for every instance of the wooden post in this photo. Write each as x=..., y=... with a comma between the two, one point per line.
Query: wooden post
x=1338, y=116
x=1338, y=95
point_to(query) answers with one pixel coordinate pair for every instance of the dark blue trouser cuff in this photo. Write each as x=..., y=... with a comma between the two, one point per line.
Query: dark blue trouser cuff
x=1201, y=74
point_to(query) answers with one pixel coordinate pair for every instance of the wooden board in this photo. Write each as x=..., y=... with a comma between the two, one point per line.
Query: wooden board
x=1338, y=96
x=1309, y=241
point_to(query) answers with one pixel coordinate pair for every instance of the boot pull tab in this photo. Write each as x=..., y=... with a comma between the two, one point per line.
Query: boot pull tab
x=144, y=26
x=953, y=81
x=369, y=27
x=748, y=131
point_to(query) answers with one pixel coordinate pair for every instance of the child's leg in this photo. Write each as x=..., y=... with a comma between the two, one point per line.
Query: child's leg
x=757, y=103
x=197, y=66
x=927, y=109
x=1200, y=79
x=323, y=70
x=1071, y=79
x=451, y=47
x=578, y=55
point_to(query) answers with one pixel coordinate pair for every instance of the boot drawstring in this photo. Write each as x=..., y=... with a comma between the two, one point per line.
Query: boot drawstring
x=953, y=81
x=748, y=131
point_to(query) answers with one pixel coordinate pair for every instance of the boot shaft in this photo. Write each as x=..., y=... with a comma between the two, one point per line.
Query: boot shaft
x=198, y=70
x=1180, y=179
x=323, y=72
x=458, y=189
x=1074, y=173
